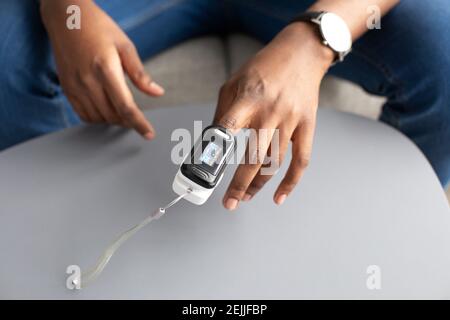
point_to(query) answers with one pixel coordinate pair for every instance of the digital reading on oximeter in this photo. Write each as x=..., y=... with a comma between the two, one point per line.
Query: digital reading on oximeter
x=209, y=156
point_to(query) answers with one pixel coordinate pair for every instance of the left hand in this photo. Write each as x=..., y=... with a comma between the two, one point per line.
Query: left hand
x=277, y=89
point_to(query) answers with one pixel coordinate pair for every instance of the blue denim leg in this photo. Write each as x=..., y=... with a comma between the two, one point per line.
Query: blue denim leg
x=407, y=61
x=32, y=102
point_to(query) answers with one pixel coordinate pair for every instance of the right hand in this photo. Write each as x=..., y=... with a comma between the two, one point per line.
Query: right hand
x=91, y=65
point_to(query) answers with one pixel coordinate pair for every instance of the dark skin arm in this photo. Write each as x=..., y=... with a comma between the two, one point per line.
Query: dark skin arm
x=279, y=89
x=92, y=64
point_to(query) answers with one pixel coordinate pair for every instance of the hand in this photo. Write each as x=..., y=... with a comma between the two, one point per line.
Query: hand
x=91, y=64
x=277, y=89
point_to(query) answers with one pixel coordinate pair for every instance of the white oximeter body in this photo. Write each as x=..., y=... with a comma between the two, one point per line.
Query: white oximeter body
x=202, y=170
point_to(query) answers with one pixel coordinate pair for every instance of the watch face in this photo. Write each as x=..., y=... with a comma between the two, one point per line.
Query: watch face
x=335, y=32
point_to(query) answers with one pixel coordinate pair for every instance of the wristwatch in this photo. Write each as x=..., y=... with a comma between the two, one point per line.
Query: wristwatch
x=333, y=30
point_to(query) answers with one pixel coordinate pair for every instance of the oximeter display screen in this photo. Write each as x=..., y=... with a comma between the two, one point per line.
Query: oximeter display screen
x=211, y=154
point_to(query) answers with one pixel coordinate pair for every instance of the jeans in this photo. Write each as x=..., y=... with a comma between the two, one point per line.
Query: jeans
x=407, y=61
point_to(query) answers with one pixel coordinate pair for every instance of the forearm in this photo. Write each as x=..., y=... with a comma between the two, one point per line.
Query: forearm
x=62, y=2
x=354, y=12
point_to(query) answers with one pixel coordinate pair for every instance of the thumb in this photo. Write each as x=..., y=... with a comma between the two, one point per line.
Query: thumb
x=133, y=66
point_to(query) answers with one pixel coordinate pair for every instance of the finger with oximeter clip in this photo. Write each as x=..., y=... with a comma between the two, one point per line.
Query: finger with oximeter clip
x=202, y=169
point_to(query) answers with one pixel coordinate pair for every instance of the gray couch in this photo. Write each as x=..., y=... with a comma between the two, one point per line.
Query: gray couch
x=193, y=72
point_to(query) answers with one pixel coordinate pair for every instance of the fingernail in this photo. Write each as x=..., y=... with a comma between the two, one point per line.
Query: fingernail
x=280, y=199
x=231, y=203
x=246, y=197
x=157, y=87
x=149, y=136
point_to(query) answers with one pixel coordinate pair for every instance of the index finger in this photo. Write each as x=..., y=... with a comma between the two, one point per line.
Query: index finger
x=113, y=79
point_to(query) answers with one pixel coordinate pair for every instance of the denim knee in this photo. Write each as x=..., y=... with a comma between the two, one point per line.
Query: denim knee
x=413, y=53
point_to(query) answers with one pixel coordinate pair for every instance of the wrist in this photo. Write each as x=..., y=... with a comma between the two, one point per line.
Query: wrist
x=307, y=37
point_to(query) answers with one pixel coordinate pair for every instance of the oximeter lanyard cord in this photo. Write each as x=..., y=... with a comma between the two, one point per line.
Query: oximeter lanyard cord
x=91, y=275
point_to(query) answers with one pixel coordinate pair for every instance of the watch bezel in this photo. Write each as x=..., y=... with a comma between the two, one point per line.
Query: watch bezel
x=326, y=41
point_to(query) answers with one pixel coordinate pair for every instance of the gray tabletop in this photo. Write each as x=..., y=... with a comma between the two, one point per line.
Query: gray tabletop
x=368, y=198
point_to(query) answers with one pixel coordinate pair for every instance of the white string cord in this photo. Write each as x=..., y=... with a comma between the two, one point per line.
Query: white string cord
x=91, y=275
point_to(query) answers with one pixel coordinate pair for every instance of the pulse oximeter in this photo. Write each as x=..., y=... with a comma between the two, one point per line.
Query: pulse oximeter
x=202, y=169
